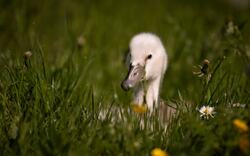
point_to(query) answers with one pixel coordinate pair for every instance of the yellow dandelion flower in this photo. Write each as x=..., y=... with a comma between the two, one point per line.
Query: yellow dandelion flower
x=244, y=144
x=240, y=125
x=158, y=152
x=139, y=108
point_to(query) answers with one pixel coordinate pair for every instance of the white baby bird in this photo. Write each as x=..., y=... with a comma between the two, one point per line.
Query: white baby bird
x=147, y=63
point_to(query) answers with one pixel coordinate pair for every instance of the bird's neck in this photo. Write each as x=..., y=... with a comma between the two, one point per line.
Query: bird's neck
x=148, y=92
x=152, y=93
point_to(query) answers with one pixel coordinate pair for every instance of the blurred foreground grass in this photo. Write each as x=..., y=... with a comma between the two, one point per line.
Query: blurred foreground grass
x=52, y=103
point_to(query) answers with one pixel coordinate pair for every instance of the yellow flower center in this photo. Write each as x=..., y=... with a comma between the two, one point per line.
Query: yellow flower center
x=206, y=111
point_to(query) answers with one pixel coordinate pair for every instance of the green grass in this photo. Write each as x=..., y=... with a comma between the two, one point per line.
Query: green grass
x=50, y=103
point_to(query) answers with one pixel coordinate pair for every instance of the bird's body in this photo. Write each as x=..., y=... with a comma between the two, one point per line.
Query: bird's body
x=148, y=63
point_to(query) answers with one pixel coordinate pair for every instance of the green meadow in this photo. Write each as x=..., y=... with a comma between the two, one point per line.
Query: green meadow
x=62, y=64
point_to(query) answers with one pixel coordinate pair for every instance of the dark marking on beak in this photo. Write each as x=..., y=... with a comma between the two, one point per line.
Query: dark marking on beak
x=124, y=85
x=135, y=75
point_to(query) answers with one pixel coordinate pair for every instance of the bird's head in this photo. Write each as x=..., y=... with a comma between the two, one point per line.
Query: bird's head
x=147, y=61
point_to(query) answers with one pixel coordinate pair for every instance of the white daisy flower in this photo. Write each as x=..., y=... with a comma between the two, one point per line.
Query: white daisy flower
x=207, y=112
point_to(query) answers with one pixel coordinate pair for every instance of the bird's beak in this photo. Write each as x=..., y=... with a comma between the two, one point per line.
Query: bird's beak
x=135, y=75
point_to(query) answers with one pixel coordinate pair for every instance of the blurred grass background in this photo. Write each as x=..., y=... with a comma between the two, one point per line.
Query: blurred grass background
x=64, y=85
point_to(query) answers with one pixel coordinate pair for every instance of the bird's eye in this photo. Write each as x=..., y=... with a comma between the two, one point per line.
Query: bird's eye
x=149, y=56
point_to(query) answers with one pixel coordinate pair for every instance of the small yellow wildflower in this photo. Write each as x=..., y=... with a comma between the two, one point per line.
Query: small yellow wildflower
x=139, y=108
x=241, y=125
x=158, y=152
x=244, y=144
